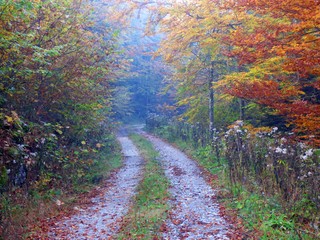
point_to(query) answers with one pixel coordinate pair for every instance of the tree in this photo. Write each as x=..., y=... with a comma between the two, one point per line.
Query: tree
x=278, y=46
x=57, y=64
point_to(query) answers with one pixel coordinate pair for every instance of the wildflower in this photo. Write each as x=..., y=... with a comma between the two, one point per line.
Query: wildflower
x=21, y=147
x=34, y=154
x=281, y=150
x=239, y=123
x=274, y=130
x=228, y=133
x=283, y=140
x=309, y=153
x=278, y=150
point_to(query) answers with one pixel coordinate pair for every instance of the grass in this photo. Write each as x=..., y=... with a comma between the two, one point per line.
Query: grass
x=150, y=206
x=262, y=216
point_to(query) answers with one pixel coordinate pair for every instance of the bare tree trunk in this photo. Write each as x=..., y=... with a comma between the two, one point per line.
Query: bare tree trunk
x=212, y=127
x=211, y=104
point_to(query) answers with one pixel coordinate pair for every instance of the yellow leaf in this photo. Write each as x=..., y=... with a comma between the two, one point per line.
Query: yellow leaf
x=98, y=145
x=9, y=119
x=59, y=131
x=83, y=142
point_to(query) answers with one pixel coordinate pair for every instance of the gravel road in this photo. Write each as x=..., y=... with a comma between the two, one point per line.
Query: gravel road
x=195, y=213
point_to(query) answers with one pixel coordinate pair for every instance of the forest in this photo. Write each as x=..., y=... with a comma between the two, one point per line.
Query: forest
x=233, y=83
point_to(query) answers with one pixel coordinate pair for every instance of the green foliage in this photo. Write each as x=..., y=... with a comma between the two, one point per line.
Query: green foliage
x=3, y=179
x=264, y=214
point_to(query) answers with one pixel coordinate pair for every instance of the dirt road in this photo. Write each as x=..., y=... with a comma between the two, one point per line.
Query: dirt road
x=195, y=213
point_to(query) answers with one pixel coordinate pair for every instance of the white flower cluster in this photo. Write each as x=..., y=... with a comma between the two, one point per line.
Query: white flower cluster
x=281, y=150
x=274, y=130
x=309, y=174
x=236, y=128
x=307, y=154
x=228, y=133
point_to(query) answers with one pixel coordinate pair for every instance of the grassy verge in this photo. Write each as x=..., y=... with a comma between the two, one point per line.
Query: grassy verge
x=24, y=216
x=150, y=206
x=262, y=216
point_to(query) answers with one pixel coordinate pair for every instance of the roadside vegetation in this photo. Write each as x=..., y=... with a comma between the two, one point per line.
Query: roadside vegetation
x=266, y=201
x=57, y=66
x=150, y=206
x=24, y=211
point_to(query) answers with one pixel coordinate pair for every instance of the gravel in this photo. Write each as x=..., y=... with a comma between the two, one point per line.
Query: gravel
x=195, y=213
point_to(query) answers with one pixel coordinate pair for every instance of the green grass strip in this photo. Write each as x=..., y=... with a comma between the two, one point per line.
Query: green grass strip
x=150, y=206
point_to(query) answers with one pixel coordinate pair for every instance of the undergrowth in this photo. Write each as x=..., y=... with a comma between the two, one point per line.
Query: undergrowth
x=150, y=204
x=22, y=214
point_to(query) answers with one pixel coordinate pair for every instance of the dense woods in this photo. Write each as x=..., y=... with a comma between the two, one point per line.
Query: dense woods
x=237, y=80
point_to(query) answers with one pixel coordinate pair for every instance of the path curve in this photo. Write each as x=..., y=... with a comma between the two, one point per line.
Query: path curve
x=103, y=219
x=195, y=213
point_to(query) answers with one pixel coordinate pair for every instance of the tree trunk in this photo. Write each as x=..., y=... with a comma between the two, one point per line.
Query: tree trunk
x=241, y=107
x=212, y=126
x=211, y=104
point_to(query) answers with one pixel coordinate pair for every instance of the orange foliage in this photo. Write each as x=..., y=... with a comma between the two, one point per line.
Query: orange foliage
x=287, y=30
